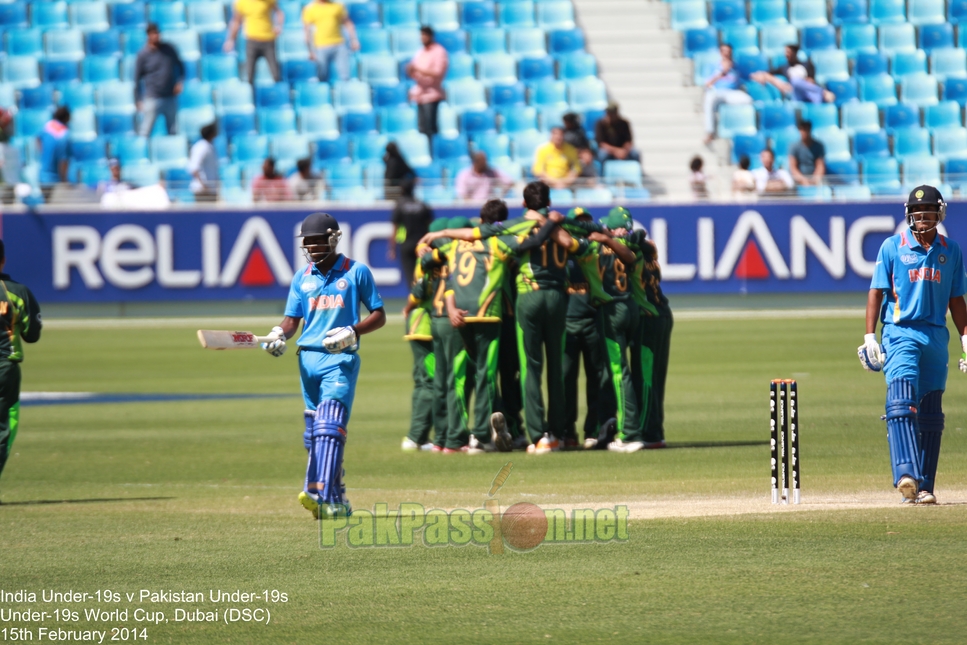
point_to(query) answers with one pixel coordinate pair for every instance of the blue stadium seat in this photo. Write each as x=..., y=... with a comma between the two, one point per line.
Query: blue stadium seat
x=308, y=95
x=169, y=151
x=936, y=37
x=506, y=95
x=129, y=149
x=272, y=96
x=735, y=119
x=234, y=96
x=566, y=41
x=89, y=16
x=587, y=94
x=821, y=115
x=871, y=144
x=497, y=69
x=352, y=96
x=330, y=152
x=888, y=12
x=743, y=38
x=552, y=117
x=728, y=12
x=778, y=116
x=63, y=71
x=289, y=148
x=919, y=89
x=950, y=143
x=192, y=120
x=549, y=93
x=911, y=142
x=536, y=69
x=89, y=150
x=212, y=42
x=901, y=116
x=129, y=15
x=344, y=175
x=29, y=123
x=897, y=38
x=133, y=41
x=843, y=172
x=372, y=41
x=525, y=144
x=297, y=72
x=359, y=123
x=466, y=94
x=415, y=149
x=527, y=41
x=907, y=63
x=291, y=45
x=818, y=38
x=84, y=124
x=749, y=145
x=948, y=62
x=945, y=114
x=236, y=123
x=836, y=142
x=369, y=148
x=185, y=41
x=400, y=14
x=871, y=64
x=704, y=65
x=49, y=15
x=701, y=40
x=879, y=88
x=488, y=41
x=516, y=14
x=858, y=38
x=926, y=12
x=379, y=69
x=389, y=95
x=558, y=14
x=768, y=12
x=36, y=98
x=167, y=15
x=279, y=120
x=807, y=13
x=495, y=146
x=748, y=64
x=461, y=67
x=830, y=65
x=956, y=11
x=394, y=120
x=25, y=42
x=115, y=97
x=478, y=14
x=578, y=66
x=518, y=119
x=365, y=15
x=103, y=43
x=292, y=9
x=623, y=173
x=955, y=89
x=248, y=148
x=774, y=39
x=206, y=16
x=761, y=93
x=64, y=45
x=450, y=149
x=860, y=117
x=141, y=174
x=97, y=69
x=955, y=171
x=882, y=175
x=13, y=15
x=441, y=15
x=219, y=67
x=850, y=11
x=77, y=95
x=918, y=171
x=455, y=42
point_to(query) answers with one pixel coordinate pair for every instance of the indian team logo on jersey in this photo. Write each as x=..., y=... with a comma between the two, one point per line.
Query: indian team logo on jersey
x=326, y=301
x=307, y=287
x=925, y=274
x=942, y=259
x=341, y=284
x=909, y=258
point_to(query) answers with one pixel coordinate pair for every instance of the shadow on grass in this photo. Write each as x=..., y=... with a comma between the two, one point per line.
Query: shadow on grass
x=85, y=501
x=714, y=444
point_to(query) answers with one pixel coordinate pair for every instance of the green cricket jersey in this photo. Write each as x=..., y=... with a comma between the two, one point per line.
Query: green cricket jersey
x=421, y=298
x=647, y=274
x=579, y=302
x=435, y=265
x=19, y=319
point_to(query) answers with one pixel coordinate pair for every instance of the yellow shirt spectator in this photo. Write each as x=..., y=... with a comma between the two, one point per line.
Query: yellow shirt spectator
x=327, y=18
x=555, y=163
x=258, y=18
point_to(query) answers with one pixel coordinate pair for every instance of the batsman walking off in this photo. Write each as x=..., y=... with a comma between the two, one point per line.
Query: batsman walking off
x=19, y=323
x=919, y=275
x=327, y=296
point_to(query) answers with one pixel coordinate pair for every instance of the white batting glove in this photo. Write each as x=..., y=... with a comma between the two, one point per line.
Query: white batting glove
x=341, y=339
x=276, y=344
x=871, y=354
x=963, y=357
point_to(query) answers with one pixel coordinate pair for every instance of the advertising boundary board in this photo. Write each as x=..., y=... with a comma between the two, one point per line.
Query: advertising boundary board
x=188, y=255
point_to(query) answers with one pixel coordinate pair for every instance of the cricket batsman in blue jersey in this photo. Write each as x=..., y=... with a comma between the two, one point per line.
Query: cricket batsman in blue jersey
x=327, y=296
x=919, y=275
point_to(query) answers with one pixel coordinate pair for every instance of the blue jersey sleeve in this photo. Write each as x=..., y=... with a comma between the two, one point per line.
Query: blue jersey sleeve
x=366, y=288
x=883, y=272
x=959, y=285
x=293, y=304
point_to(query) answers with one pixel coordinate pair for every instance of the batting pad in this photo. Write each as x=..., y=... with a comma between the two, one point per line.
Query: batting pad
x=901, y=428
x=310, y=418
x=931, y=419
x=324, y=472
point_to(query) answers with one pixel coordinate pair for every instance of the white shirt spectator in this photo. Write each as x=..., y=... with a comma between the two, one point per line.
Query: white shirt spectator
x=203, y=159
x=763, y=177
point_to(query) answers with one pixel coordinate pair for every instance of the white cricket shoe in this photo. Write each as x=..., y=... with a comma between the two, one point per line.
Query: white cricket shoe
x=427, y=447
x=908, y=487
x=590, y=443
x=409, y=445
x=625, y=446
x=498, y=433
x=926, y=497
x=477, y=448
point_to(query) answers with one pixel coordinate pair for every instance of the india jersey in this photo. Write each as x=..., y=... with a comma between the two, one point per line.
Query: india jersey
x=331, y=300
x=919, y=282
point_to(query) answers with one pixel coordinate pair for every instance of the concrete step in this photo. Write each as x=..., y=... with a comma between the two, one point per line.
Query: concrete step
x=643, y=77
x=645, y=52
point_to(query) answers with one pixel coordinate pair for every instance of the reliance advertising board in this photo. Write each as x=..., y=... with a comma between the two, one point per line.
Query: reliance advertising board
x=225, y=255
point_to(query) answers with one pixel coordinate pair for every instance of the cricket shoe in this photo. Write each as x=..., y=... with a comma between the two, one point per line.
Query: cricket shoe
x=499, y=436
x=926, y=497
x=427, y=447
x=547, y=443
x=477, y=448
x=332, y=511
x=309, y=503
x=625, y=446
x=655, y=445
x=590, y=443
x=607, y=434
x=521, y=443
x=908, y=488
x=409, y=445
x=571, y=443
x=437, y=448
x=453, y=451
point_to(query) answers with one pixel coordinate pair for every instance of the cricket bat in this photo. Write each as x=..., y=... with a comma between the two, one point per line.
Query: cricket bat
x=217, y=339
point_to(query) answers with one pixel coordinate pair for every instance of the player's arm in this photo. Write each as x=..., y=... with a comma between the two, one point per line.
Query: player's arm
x=626, y=255
x=375, y=320
x=456, y=315
x=464, y=234
x=31, y=323
x=542, y=235
x=874, y=302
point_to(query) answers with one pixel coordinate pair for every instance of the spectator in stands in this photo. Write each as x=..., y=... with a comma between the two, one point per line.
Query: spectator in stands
x=54, y=145
x=114, y=184
x=722, y=87
x=743, y=182
x=327, y=19
x=397, y=171
x=480, y=182
x=613, y=135
x=807, y=158
x=428, y=68
x=698, y=181
x=9, y=154
x=573, y=131
x=770, y=180
x=556, y=162
x=411, y=221
x=271, y=186
x=203, y=165
x=303, y=183
x=589, y=169
x=162, y=73
x=800, y=82
x=260, y=33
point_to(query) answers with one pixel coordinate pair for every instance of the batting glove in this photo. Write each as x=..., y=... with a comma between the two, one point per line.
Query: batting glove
x=963, y=357
x=341, y=339
x=871, y=354
x=276, y=343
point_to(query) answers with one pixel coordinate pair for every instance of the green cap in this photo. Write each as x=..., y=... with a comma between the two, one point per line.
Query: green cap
x=458, y=222
x=438, y=224
x=618, y=217
x=577, y=212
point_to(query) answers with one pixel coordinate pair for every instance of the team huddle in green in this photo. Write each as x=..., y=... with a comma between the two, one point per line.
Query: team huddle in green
x=492, y=306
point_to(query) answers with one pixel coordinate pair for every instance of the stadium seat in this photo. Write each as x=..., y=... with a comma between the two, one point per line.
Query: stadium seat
x=36, y=98
x=919, y=89
x=192, y=120
x=911, y=142
x=167, y=15
x=701, y=40
x=743, y=38
x=566, y=41
x=587, y=94
x=466, y=94
x=103, y=43
x=311, y=94
x=882, y=175
x=129, y=149
x=879, y=89
x=897, y=38
x=478, y=14
x=768, y=12
x=129, y=15
x=367, y=148
x=352, y=96
x=344, y=175
x=836, y=142
x=918, y=171
x=371, y=41
x=529, y=41
x=689, y=14
x=497, y=69
x=936, y=37
x=956, y=11
x=578, y=66
x=288, y=148
x=807, y=13
x=280, y=120
x=955, y=89
x=451, y=149
x=237, y=123
x=359, y=123
x=169, y=151
x=516, y=14
x=777, y=116
x=871, y=144
x=821, y=115
x=185, y=41
x=774, y=38
x=455, y=42
x=29, y=123
x=440, y=15
x=945, y=114
x=549, y=93
x=249, y=148
x=727, y=12
x=89, y=16
x=389, y=95
x=64, y=45
x=955, y=171
x=89, y=150
x=907, y=63
x=98, y=69
x=272, y=96
x=291, y=45
x=49, y=15
x=415, y=148
x=948, y=62
x=552, y=117
x=950, y=143
x=871, y=64
x=850, y=11
x=219, y=67
x=379, y=69
x=394, y=120
x=133, y=41
x=495, y=146
x=705, y=64
x=488, y=41
x=858, y=38
x=748, y=64
x=843, y=171
x=518, y=119
x=206, y=16
x=296, y=72
x=13, y=16
x=115, y=97
x=25, y=42
x=818, y=38
x=556, y=14
x=83, y=126
x=748, y=145
x=77, y=95
x=623, y=173
x=887, y=12
x=400, y=15
x=830, y=65
x=735, y=119
x=900, y=116
x=334, y=151
x=860, y=117
x=525, y=144
x=365, y=15
x=234, y=96
x=926, y=12
x=461, y=67
x=536, y=69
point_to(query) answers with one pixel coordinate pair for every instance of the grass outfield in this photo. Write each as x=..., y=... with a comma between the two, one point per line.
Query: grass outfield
x=199, y=495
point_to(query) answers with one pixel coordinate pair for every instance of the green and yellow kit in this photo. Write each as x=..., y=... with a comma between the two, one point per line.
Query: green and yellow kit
x=419, y=333
x=19, y=323
x=584, y=338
